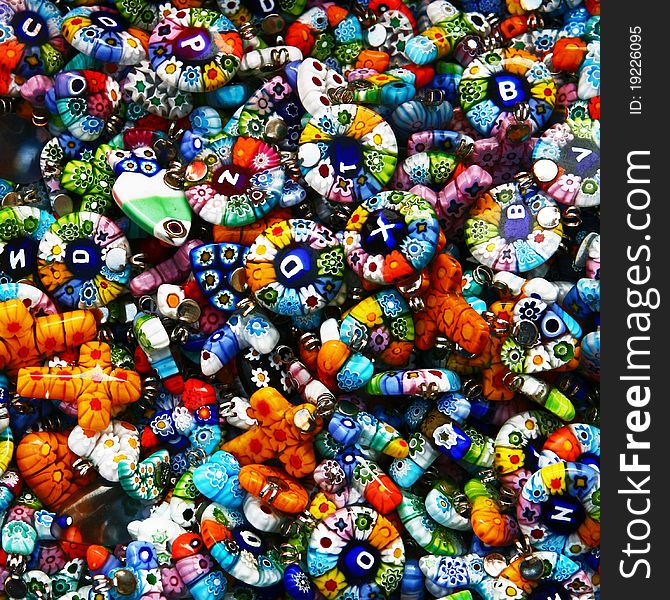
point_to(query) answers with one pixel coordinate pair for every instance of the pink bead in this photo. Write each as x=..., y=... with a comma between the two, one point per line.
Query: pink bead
x=361, y=73
x=566, y=94
x=458, y=195
x=173, y=270
x=35, y=89
x=173, y=585
x=193, y=568
x=50, y=557
x=20, y=512
x=211, y=319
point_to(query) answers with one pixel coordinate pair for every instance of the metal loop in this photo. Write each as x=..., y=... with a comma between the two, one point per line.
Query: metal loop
x=310, y=341
x=17, y=563
x=572, y=217
x=521, y=112
x=432, y=97
x=289, y=160
x=285, y=354
x=472, y=389
x=247, y=31
x=325, y=405
x=482, y=275
x=7, y=105
x=464, y=150
x=269, y=492
x=497, y=325
x=148, y=304
x=428, y=390
x=524, y=180
x=278, y=58
x=487, y=476
x=139, y=260
x=512, y=381
x=503, y=289
x=81, y=466
x=102, y=583
x=196, y=456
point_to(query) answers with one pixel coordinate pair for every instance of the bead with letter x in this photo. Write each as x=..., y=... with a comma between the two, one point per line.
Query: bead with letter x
x=383, y=227
x=382, y=232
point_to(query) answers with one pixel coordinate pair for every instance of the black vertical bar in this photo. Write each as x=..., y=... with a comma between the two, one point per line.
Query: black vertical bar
x=635, y=244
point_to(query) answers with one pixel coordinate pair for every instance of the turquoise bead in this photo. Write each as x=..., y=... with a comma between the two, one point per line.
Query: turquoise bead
x=217, y=480
x=18, y=538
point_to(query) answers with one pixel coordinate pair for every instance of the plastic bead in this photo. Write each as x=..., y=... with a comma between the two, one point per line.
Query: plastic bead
x=103, y=34
x=240, y=551
x=274, y=487
x=240, y=332
x=520, y=78
x=47, y=467
x=35, y=28
x=559, y=508
x=195, y=568
x=51, y=334
x=414, y=382
x=550, y=340
x=567, y=159
x=140, y=190
x=431, y=536
x=355, y=550
x=235, y=181
x=390, y=340
x=513, y=230
x=313, y=80
x=270, y=109
x=217, y=479
x=83, y=259
x=104, y=449
x=447, y=312
x=85, y=100
x=516, y=454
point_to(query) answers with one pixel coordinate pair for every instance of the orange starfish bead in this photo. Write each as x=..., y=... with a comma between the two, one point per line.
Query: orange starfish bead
x=26, y=341
x=447, y=312
x=284, y=431
x=99, y=391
